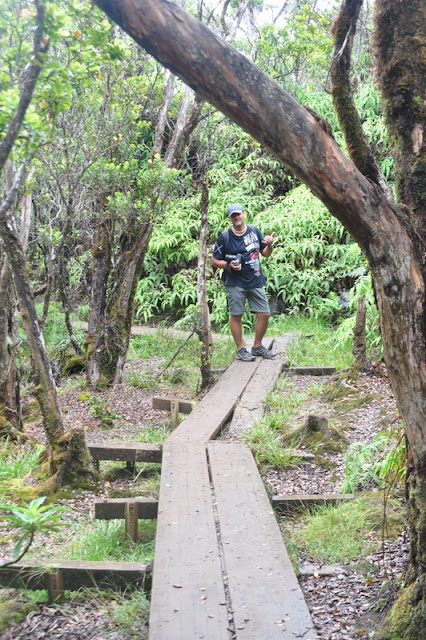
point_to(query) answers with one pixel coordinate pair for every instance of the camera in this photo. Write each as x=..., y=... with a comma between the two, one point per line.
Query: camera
x=237, y=258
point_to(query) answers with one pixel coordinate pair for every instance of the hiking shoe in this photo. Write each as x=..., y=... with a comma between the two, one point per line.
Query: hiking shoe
x=243, y=354
x=262, y=351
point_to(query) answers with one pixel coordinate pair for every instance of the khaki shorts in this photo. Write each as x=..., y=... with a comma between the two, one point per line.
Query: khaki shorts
x=237, y=297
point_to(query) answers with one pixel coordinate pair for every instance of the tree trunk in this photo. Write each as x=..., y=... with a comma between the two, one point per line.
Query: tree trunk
x=10, y=400
x=392, y=237
x=359, y=348
x=101, y=253
x=10, y=404
x=63, y=284
x=113, y=341
x=204, y=328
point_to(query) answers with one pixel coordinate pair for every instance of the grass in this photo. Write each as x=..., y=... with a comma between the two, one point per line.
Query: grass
x=105, y=540
x=322, y=349
x=18, y=461
x=282, y=404
x=267, y=447
x=334, y=533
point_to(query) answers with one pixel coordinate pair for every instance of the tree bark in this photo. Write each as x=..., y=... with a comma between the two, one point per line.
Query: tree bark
x=204, y=327
x=359, y=349
x=10, y=395
x=10, y=402
x=343, y=30
x=101, y=252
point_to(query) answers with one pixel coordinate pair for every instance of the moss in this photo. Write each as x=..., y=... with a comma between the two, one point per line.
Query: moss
x=12, y=611
x=318, y=442
x=407, y=618
x=76, y=364
x=17, y=489
x=83, y=397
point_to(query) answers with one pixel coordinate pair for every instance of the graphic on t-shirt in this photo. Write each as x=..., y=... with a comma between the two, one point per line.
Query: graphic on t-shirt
x=252, y=246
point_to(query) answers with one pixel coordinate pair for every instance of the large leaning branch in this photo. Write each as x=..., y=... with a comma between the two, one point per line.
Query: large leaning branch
x=233, y=84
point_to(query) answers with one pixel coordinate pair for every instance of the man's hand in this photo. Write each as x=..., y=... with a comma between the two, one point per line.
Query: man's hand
x=235, y=267
x=269, y=240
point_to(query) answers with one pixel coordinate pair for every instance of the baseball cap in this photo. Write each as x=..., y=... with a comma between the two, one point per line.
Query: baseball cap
x=234, y=208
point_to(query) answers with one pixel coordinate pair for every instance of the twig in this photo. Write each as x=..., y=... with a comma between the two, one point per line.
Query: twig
x=174, y=355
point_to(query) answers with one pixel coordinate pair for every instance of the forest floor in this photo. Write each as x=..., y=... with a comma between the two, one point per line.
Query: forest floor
x=343, y=605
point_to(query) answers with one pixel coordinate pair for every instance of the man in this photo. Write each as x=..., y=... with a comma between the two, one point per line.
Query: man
x=244, y=279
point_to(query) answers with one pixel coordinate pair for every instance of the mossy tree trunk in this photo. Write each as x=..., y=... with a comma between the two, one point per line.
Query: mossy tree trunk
x=204, y=327
x=101, y=253
x=400, y=47
x=391, y=236
x=10, y=404
x=63, y=466
x=10, y=401
x=120, y=308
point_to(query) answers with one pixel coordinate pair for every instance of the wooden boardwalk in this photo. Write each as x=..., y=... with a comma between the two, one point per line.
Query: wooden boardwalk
x=221, y=570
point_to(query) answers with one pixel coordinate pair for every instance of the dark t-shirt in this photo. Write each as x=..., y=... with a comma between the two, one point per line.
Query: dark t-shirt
x=249, y=246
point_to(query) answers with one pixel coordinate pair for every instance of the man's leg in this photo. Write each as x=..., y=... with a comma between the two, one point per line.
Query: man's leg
x=236, y=327
x=260, y=327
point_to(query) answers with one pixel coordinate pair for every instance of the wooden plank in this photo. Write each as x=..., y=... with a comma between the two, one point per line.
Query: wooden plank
x=114, y=508
x=75, y=574
x=165, y=404
x=292, y=502
x=126, y=451
x=187, y=596
x=251, y=405
x=266, y=599
x=313, y=371
x=211, y=413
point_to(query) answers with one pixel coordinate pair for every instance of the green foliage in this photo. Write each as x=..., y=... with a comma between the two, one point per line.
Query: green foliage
x=101, y=411
x=381, y=462
x=30, y=519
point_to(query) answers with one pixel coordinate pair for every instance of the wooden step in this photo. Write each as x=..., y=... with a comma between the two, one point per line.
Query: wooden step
x=266, y=598
x=312, y=370
x=115, y=508
x=126, y=451
x=293, y=502
x=165, y=404
x=74, y=574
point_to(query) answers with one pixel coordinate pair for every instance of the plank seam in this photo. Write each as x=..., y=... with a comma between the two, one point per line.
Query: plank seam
x=231, y=622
